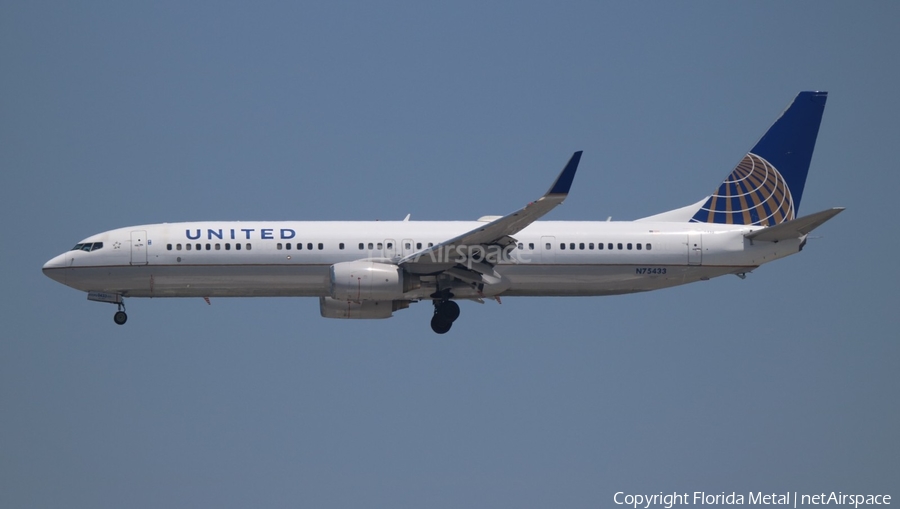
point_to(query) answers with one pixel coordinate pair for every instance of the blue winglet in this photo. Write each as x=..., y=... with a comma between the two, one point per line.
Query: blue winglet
x=565, y=178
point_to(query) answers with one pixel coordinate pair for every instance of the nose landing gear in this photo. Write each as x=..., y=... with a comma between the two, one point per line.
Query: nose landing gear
x=113, y=298
x=120, y=317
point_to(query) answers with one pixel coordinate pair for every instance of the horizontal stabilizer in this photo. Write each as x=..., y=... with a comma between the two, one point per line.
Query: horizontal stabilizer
x=795, y=228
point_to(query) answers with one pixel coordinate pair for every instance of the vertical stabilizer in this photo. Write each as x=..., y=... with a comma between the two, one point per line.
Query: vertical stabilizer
x=766, y=186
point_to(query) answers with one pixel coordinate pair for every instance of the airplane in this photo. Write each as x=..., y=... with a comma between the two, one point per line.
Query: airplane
x=370, y=269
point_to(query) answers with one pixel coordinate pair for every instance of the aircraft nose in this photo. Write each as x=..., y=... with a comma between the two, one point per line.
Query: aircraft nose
x=54, y=268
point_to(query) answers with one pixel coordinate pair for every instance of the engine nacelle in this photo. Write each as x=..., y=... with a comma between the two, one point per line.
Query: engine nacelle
x=364, y=280
x=367, y=309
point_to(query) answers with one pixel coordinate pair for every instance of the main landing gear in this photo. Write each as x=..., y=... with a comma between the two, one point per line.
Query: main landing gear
x=445, y=313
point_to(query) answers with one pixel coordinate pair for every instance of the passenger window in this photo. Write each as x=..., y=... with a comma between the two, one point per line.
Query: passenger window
x=299, y=246
x=227, y=246
x=562, y=245
x=571, y=245
x=418, y=245
x=371, y=246
x=521, y=245
x=321, y=246
x=390, y=245
x=531, y=245
x=600, y=246
x=168, y=247
x=362, y=246
x=208, y=247
x=591, y=245
x=237, y=247
x=188, y=247
x=638, y=246
x=407, y=246
x=380, y=245
x=177, y=247
x=287, y=246
x=648, y=246
x=309, y=246
x=619, y=245
x=581, y=246
x=341, y=245
x=430, y=244
x=278, y=246
x=609, y=246
x=629, y=246
x=218, y=247
x=249, y=246
x=198, y=247
x=547, y=246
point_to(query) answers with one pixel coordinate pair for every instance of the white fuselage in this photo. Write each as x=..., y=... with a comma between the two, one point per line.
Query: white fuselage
x=368, y=270
x=247, y=259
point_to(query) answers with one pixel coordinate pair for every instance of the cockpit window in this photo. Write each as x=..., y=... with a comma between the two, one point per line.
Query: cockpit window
x=87, y=246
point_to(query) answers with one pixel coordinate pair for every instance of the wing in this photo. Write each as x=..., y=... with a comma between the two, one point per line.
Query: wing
x=498, y=232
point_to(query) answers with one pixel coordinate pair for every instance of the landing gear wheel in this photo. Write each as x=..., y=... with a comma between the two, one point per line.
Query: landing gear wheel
x=440, y=325
x=120, y=317
x=445, y=311
x=449, y=311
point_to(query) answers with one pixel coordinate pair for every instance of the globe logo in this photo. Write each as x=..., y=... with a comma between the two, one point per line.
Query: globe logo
x=754, y=193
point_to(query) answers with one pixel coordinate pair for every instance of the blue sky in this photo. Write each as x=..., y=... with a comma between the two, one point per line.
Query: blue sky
x=114, y=114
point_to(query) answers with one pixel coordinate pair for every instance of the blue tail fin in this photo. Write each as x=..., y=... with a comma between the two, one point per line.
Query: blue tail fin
x=766, y=187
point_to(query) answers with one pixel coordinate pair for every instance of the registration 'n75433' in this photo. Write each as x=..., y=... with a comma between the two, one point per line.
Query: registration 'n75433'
x=650, y=271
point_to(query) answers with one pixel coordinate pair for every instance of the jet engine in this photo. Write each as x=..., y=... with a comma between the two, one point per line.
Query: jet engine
x=365, y=280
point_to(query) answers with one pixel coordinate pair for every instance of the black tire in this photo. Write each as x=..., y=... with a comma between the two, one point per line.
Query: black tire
x=449, y=311
x=439, y=325
x=120, y=317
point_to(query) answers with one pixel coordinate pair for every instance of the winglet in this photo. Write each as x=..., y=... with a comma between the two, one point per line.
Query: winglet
x=565, y=178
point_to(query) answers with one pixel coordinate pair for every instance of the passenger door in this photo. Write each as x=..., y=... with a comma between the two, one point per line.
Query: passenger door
x=139, y=247
x=695, y=248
